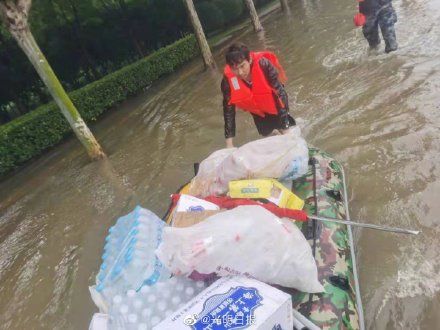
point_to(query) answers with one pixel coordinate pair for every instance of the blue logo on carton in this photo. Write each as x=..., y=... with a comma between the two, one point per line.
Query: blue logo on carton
x=229, y=311
x=197, y=208
x=277, y=327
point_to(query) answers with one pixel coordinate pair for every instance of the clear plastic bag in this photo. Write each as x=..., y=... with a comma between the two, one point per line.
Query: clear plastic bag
x=280, y=157
x=205, y=182
x=247, y=240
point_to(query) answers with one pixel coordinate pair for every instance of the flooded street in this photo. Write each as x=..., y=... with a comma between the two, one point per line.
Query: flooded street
x=377, y=113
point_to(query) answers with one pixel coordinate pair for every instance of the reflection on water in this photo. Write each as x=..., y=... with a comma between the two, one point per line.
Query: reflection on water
x=378, y=114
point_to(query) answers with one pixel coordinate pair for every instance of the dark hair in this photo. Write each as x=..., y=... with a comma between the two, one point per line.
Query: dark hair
x=237, y=53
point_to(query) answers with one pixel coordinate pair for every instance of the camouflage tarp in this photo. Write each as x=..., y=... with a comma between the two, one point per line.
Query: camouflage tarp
x=336, y=308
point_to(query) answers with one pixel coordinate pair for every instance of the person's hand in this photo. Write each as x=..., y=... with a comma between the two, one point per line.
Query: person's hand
x=229, y=143
x=284, y=118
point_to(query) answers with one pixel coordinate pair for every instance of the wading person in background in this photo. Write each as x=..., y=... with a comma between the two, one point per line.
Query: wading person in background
x=252, y=81
x=378, y=13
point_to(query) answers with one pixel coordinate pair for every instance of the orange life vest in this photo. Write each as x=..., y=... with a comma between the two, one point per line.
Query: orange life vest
x=259, y=98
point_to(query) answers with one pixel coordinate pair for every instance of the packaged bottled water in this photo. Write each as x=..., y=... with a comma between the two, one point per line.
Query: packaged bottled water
x=128, y=261
x=147, y=307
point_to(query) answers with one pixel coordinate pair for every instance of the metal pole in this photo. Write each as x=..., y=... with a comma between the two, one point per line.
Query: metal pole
x=365, y=225
x=357, y=289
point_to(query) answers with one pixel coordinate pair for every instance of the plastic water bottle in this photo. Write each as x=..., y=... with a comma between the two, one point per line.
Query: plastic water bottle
x=152, y=304
x=138, y=304
x=151, y=299
x=166, y=293
x=189, y=291
x=176, y=301
x=162, y=306
x=142, y=326
x=129, y=260
x=146, y=313
x=132, y=321
x=114, y=241
x=155, y=320
x=117, y=300
x=131, y=294
x=145, y=290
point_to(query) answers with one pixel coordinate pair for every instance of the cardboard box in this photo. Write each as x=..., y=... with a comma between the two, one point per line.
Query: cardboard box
x=234, y=303
x=269, y=189
x=186, y=219
x=188, y=203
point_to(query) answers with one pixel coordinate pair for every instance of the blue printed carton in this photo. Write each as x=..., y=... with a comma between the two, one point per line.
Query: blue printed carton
x=233, y=303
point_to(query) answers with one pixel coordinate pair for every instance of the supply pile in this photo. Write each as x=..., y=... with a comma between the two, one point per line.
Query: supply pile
x=230, y=233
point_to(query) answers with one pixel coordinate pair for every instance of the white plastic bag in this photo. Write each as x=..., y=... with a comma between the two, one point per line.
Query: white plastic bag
x=205, y=180
x=281, y=157
x=249, y=241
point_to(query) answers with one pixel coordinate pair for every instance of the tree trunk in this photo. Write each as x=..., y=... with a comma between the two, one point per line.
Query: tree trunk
x=38, y=60
x=200, y=35
x=285, y=6
x=14, y=15
x=264, y=43
x=136, y=43
x=254, y=16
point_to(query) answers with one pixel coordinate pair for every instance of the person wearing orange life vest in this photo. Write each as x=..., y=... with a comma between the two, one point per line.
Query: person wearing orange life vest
x=252, y=81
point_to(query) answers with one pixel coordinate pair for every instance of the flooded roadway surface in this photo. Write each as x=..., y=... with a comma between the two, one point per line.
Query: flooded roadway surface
x=378, y=114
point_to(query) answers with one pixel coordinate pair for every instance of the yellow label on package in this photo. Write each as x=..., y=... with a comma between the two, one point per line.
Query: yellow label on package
x=269, y=189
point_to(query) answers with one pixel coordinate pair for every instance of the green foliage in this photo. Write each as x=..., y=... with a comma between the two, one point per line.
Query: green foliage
x=217, y=14
x=83, y=41
x=231, y=9
x=30, y=134
x=210, y=16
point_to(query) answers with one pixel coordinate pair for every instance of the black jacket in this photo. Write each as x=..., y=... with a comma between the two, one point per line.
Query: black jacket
x=371, y=7
x=271, y=74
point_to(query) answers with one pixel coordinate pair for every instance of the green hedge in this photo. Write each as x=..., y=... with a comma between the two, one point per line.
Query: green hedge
x=29, y=135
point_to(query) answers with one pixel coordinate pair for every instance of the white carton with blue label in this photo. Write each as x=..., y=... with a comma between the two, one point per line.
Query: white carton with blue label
x=188, y=203
x=233, y=303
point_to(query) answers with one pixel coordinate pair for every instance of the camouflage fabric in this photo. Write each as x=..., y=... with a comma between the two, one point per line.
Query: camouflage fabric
x=336, y=308
x=385, y=17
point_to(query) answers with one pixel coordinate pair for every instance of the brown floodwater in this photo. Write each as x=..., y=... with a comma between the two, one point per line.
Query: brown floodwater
x=378, y=114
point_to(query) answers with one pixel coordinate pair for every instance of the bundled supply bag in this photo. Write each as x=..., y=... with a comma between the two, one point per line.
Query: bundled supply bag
x=247, y=240
x=205, y=180
x=281, y=157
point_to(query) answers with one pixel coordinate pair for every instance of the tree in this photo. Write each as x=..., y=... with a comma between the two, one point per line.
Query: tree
x=200, y=35
x=14, y=14
x=231, y=9
x=123, y=8
x=254, y=16
x=210, y=15
x=285, y=6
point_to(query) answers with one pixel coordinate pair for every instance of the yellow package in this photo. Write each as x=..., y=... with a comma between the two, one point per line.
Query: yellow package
x=269, y=189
